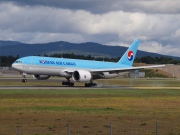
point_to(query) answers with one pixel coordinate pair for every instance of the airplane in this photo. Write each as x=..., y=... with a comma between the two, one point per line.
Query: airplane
x=43, y=68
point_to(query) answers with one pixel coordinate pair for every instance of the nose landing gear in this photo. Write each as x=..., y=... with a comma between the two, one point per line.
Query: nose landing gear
x=24, y=80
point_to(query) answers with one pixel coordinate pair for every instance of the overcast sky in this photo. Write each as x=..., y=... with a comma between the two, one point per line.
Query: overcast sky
x=109, y=22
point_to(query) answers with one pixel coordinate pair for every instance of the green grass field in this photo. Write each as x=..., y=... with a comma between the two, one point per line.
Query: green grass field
x=132, y=111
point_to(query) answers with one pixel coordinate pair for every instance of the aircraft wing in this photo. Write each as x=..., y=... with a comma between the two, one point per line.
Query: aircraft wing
x=115, y=70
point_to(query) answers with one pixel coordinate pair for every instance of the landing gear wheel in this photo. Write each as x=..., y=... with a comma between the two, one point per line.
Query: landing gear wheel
x=71, y=84
x=90, y=84
x=63, y=83
x=68, y=83
x=86, y=84
x=24, y=80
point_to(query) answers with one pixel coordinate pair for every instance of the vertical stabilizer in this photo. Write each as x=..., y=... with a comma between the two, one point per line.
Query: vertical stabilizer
x=130, y=54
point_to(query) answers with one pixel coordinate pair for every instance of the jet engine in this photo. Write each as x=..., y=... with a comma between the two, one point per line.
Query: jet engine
x=81, y=76
x=41, y=77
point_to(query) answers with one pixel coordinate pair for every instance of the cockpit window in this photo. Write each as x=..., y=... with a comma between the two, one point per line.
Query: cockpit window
x=18, y=61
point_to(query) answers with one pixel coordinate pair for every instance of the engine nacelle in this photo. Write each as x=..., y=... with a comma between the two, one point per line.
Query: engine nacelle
x=81, y=76
x=41, y=77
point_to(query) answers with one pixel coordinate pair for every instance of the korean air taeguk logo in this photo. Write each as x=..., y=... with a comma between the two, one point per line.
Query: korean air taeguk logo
x=43, y=61
x=130, y=55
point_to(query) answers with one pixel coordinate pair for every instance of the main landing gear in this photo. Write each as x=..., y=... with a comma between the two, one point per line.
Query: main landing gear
x=68, y=83
x=91, y=84
x=24, y=80
x=71, y=84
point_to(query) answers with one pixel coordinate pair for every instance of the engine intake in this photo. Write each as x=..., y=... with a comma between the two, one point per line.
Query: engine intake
x=81, y=76
x=41, y=77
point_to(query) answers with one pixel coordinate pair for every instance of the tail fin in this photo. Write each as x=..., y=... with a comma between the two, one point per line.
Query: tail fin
x=129, y=55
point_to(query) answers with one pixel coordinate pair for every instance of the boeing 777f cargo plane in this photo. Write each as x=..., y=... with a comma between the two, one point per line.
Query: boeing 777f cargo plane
x=43, y=68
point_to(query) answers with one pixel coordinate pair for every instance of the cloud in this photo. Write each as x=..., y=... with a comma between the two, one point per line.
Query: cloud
x=41, y=21
x=159, y=48
x=104, y=6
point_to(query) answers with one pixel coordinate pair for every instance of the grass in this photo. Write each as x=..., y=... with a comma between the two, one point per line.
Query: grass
x=133, y=92
x=156, y=73
x=90, y=111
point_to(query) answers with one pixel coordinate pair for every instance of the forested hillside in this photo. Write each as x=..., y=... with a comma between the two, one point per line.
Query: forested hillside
x=14, y=48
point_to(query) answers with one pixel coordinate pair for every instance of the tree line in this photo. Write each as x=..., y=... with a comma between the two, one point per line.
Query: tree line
x=6, y=61
x=157, y=60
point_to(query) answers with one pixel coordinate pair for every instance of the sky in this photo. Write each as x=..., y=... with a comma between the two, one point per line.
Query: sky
x=110, y=22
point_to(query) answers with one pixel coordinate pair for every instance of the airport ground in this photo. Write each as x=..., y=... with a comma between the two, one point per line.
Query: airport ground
x=133, y=105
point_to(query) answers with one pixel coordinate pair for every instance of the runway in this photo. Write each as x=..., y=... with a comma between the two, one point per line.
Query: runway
x=82, y=87
x=14, y=83
x=46, y=84
x=59, y=87
x=50, y=84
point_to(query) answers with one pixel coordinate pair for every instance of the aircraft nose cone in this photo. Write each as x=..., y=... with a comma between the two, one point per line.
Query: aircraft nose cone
x=13, y=66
